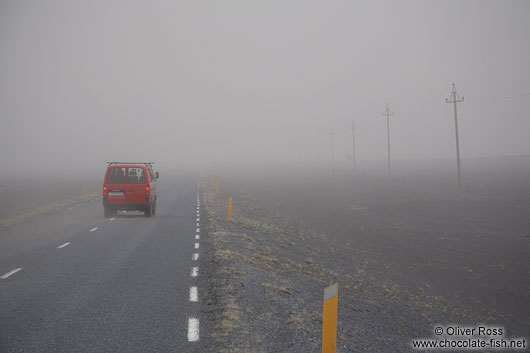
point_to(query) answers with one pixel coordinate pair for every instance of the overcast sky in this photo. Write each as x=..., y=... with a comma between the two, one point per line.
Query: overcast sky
x=93, y=81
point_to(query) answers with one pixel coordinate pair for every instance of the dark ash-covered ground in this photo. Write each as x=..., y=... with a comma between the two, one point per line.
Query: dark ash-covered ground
x=408, y=254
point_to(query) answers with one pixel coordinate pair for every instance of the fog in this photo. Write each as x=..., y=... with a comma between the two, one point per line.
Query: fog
x=82, y=83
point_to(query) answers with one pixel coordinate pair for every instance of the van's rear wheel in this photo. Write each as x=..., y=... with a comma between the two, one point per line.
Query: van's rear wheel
x=147, y=211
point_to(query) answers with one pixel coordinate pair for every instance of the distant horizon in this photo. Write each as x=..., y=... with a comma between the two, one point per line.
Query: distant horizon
x=201, y=82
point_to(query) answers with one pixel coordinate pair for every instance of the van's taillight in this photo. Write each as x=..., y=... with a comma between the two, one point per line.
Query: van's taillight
x=147, y=188
x=104, y=187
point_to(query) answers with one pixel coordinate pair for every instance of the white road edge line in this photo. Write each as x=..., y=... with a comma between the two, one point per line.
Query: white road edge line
x=196, y=245
x=194, y=294
x=63, y=245
x=94, y=229
x=194, y=272
x=12, y=272
x=195, y=256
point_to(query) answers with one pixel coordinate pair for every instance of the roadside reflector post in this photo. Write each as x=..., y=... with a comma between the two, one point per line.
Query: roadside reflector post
x=86, y=190
x=229, y=209
x=216, y=189
x=329, y=319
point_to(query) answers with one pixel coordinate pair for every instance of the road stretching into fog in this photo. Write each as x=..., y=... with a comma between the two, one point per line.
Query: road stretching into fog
x=75, y=281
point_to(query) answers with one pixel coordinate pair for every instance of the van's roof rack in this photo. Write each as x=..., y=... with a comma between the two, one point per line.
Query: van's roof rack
x=146, y=163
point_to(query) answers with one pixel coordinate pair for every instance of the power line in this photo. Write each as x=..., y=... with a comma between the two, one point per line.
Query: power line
x=497, y=85
x=503, y=98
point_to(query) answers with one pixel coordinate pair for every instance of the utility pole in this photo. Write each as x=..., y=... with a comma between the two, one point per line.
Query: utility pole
x=332, y=156
x=353, y=128
x=388, y=114
x=455, y=98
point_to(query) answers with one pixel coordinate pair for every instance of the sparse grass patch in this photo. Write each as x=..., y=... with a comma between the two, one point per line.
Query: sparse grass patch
x=276, y=288
x=227, y=255
x=242, y=236
x=294, y=319
x=257, y=225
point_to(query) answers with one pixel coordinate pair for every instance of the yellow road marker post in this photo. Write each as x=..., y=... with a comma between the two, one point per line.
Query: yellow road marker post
x=229, y=209
x=216, y=189
x=329, y=319
x=86, y=190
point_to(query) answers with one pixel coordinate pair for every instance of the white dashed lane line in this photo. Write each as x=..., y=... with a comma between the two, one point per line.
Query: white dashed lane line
x=10, y=273
x=194, y=294
x=193, y=329
x=194, y=272
x=193, y=322
x=112, y=219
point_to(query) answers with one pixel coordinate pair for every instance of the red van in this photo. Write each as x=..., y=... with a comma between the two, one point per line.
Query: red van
x=131, y=187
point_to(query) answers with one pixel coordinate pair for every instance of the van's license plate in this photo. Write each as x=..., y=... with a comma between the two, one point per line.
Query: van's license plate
x=115, y=193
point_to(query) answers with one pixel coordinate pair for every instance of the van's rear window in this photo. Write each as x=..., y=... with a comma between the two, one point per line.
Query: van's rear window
x=136, y=176
x=116, y=175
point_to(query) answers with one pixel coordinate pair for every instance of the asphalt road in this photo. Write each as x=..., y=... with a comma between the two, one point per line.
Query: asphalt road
x=91, y=284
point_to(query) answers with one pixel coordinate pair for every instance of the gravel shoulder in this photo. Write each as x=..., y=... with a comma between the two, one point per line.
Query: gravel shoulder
x=268, y=268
